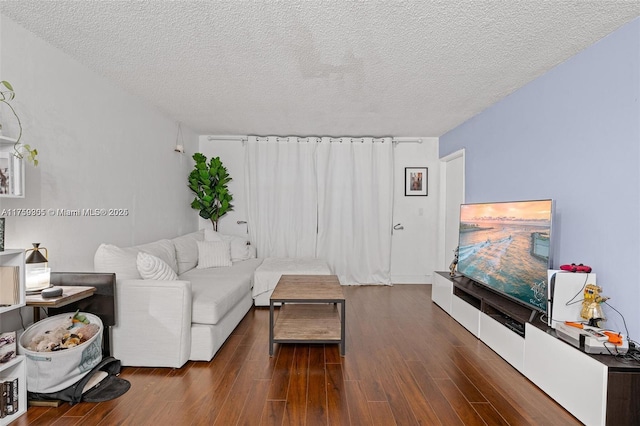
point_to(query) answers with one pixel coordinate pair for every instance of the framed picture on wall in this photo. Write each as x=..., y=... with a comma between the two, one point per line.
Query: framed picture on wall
x=416, y=181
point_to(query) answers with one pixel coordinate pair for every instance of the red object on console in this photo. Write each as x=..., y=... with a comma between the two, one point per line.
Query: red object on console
x=576, y=268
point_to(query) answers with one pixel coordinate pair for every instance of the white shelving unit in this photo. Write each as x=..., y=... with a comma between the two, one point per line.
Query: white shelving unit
x=13, y=168
x=17, y=366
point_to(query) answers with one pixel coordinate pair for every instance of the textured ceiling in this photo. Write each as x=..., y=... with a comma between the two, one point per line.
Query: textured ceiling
x=399, y=68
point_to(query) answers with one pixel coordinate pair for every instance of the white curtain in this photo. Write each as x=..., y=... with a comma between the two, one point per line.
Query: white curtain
x=281, y=196
x=355, y=200
x=323, y=197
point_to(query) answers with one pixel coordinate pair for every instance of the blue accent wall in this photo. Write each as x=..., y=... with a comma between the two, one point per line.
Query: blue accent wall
x=573, y=135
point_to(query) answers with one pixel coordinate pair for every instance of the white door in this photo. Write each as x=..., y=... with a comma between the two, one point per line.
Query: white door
x=452, y=195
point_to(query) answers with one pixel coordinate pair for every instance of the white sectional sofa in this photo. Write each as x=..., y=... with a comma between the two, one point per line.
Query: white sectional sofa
x=271, y=269
x=166, y=316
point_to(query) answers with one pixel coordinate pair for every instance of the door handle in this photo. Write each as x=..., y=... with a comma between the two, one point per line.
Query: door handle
x=398, y=227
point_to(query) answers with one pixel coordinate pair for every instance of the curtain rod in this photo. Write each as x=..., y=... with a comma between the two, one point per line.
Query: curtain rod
x=407, y=140
x=226, y=138
x=244, y=138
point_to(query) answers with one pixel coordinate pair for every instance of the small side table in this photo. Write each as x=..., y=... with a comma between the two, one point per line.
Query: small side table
x=70, y=294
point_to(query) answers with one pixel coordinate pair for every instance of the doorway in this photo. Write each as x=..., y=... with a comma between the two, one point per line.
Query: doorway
x=452, y=195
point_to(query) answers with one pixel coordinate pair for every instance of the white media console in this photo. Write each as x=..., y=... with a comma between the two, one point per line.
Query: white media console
x=596, y=389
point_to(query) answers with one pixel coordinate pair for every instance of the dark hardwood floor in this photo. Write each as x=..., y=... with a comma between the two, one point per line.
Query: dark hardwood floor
x=407, y=363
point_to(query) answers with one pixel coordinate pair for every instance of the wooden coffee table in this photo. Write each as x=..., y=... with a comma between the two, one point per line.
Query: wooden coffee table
x=308, y=311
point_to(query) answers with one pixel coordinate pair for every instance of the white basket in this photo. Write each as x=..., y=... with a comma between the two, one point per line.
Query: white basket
x=54, y=371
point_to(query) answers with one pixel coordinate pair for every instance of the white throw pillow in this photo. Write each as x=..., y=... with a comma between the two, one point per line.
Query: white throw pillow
x=153, y=268
x=123, y=260
x=163, y=249
x=211, y=235
x=239, y=248
x=187, y=250
x=110, y=258
x=213, y=254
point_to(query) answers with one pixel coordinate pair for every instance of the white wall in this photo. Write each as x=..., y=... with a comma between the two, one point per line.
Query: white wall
x=413, y=256
x=99, y=147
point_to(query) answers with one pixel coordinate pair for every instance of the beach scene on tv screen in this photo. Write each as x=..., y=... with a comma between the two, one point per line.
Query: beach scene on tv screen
x=506, y=247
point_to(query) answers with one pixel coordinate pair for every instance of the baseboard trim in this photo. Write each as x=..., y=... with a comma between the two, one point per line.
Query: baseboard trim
x=411, y=279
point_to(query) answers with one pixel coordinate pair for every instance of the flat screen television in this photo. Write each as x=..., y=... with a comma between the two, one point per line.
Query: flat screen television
x=506, y=246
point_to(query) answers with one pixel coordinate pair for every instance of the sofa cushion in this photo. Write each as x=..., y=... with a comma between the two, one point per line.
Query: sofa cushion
x=240, y=250
x=151, y=267
x=187, y=250
x=123, y=261
x=213, y=254
x=216, y=290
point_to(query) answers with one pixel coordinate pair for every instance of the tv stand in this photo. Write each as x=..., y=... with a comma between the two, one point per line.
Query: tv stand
x=503, y=310
x=596, y=389
x=514, y=326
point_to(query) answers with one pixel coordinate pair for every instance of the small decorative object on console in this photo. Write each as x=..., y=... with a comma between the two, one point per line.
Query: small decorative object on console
x=454, y=262
x=591, y=309
x=592, y=340
x=576, y=268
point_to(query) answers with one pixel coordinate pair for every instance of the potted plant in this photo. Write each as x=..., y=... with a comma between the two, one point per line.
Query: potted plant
x=209, y=182
x=7, y=94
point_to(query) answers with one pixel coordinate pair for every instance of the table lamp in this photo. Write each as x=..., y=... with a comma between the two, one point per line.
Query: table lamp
x=37, y=272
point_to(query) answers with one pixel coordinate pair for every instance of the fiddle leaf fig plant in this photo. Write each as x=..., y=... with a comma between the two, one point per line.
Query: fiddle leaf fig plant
x=7, y=94
x=209, y=182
